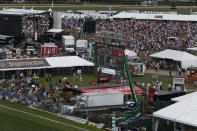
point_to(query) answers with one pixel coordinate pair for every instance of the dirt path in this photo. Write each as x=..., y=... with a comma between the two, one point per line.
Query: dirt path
x=94, y=6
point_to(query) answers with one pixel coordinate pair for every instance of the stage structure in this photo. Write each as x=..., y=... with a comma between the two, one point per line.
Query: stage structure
x=109, y=51
x=24, y=24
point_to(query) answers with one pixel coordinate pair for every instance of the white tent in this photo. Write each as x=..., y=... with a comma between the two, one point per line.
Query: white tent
x=51, y=62
x=180, y=98
x=192, y=49
x=130, y=53
x=155, y=16
x=67, y=61
x=184, y=112
x=55, y=30
x=186, y=59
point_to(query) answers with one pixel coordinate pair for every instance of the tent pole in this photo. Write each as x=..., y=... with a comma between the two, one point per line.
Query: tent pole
x=156, y=123
x=153, y=123
x=174, y=126
x=182, y=127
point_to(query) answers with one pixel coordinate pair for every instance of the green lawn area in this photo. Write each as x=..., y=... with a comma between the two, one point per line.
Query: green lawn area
x=15, y=121
x=87, y=78
x=147, y=78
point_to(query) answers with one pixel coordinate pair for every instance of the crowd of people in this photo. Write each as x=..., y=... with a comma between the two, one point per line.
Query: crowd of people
x=143, y=35
x=30, y=25
x=27, y=89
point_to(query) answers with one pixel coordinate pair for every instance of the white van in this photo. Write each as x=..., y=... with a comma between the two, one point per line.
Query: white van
x=179, y=84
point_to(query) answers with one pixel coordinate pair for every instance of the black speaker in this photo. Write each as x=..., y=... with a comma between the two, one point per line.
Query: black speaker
x=10, y=25
x=173, y=6
x=90, y=26
x=50, y=22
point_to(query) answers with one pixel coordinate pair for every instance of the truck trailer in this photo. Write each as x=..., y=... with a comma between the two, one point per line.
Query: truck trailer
x=89, y=100
x=68, y=43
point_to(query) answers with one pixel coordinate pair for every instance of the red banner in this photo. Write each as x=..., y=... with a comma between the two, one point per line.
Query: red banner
x=51, y=51
x=42, y=51
x=46, y=51
x=151, y=97
x=125, y=89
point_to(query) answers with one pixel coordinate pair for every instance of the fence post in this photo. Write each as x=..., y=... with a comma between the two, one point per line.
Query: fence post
x=113, y=121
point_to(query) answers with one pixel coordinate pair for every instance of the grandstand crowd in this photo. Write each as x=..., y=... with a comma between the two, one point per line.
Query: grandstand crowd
x=142, y=35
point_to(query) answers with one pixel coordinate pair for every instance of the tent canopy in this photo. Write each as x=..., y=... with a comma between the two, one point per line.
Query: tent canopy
x=55, y=30
x=41, y=63
x=155, y=16
x=180, y=98
x=184, y=111
x=186, y=59
x=130, y=53
x=192, y=49
x=68, y=61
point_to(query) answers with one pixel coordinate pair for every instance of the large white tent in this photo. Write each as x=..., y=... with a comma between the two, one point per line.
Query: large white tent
x=184, y=111
x=55, y=30
x=192, y=49
x=130, y=53
x=68, y=61
x=155, y=16
x=184, y=97
x=186, y=59
x=42, y=63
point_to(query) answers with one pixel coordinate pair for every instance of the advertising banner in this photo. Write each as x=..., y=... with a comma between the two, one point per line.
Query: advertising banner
x=125, y=89
x=23, y=63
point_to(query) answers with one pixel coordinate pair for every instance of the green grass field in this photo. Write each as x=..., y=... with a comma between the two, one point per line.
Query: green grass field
x=15, y=121
x=87, y=78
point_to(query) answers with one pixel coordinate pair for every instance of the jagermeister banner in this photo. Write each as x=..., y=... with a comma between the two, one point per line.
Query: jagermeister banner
x=23, y=63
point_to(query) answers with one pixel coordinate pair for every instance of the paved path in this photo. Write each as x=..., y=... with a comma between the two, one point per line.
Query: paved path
x=161, y=72
x=51, y=120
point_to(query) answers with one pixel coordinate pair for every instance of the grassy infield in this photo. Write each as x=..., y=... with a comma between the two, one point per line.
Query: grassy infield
x=11, y=120
x=147, y=78
x=14, y=121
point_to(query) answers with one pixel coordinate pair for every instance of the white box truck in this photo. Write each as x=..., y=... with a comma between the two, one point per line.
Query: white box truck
x=179, y=84
x=68, y=43
x=89, y=100
x=81, y=46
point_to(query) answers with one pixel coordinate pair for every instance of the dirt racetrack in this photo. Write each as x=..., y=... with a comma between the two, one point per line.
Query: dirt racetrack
x=93, y=6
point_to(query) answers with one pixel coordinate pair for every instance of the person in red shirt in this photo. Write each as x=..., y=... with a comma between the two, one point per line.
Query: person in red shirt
x=26, y=73
x=65, y=93
x=93, y=83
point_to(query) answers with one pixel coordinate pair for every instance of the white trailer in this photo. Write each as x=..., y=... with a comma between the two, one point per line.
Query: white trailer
x=68, y=43
x=99, y=99
x=179, y=84
x=81, y=46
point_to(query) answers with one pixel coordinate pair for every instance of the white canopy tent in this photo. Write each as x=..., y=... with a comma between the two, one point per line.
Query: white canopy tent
x=180, y=98
x=51, y=62
x=55, y=30
x=184, y=111
x=130, y=53
x=16, y=11
x=155, y=16
x=192, y=49
x=67, y=61
x=186, y=59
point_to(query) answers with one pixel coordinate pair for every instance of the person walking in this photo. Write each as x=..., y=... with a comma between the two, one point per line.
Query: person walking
x=170, y=73
x=81, y=80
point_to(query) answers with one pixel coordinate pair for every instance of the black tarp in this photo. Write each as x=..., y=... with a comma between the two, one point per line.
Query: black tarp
x=23, y=64
x=10, y=25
